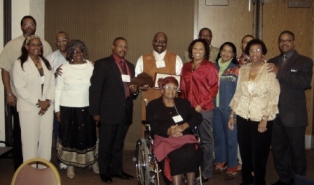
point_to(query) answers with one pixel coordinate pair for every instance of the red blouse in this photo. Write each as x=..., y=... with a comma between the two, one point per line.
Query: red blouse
x=201, y=85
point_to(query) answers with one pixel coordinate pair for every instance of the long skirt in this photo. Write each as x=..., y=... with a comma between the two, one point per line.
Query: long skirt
x=77, y=137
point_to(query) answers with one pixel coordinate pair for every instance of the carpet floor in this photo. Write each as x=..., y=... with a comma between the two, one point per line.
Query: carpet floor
x=85, y=176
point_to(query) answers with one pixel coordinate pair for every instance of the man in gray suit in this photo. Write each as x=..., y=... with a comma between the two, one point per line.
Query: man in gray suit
x=294, y=73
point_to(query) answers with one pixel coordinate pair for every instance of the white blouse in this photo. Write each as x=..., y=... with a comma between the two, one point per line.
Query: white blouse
x=72, y=88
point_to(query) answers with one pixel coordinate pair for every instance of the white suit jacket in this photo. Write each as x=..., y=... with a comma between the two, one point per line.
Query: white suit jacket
x=27, y=82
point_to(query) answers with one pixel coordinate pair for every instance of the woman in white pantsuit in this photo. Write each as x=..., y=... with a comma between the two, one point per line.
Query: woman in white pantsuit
x=34, y=83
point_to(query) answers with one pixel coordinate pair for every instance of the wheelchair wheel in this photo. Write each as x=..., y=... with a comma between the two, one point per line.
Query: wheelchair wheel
x=147, y=172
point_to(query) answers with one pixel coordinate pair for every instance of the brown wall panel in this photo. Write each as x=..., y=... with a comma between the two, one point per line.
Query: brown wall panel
x=98, y=22
x=228, y=23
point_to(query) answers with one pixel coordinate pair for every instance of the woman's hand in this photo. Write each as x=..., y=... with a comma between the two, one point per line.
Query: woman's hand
x=198, y=108
x=43, y=105
x=175, y=131
x=231, y=123
x=262, y=126
x=58, y=116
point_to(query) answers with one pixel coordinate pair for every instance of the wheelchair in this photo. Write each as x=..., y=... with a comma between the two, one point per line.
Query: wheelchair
x=147, y=169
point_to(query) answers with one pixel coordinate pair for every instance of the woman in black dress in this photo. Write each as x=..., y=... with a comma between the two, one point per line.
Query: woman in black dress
x=172, y=121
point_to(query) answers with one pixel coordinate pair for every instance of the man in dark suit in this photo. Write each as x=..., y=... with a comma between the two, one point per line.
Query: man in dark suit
x=111, y=103
x=294, y=73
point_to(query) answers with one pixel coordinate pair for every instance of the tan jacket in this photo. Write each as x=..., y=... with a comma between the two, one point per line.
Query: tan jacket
x=27, y=82
x=255, y=99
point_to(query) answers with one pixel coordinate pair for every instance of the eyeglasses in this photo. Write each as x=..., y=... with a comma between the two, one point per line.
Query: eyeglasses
x=285, y=41
x=35, y=45
x=62, y=41
x=169, y=88
x=29, y=24
x=255, y=50
x=77, y=52
x=122, y=47
x=160, y=41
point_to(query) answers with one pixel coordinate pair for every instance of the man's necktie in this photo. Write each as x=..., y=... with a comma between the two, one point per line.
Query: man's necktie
x=283, y=61
x=125, y=84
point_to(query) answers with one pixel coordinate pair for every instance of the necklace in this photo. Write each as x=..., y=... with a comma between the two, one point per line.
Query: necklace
x=257, y=70
x=36, y=62
x=194, y=67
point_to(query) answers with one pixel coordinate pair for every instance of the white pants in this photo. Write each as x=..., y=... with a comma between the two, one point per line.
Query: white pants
x=36, y=132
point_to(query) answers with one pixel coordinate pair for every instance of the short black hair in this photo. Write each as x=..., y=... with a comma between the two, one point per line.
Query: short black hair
x=118, y=38
x=199, y=33
x=28, y=17
x=286, y=32
x=206, y=46
x=255, y=42
x=247, y=36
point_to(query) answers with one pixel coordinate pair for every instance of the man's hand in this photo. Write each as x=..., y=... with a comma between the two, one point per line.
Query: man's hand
x=272, y=68
x=58, y=71
x=11, y=100
x=145, y=88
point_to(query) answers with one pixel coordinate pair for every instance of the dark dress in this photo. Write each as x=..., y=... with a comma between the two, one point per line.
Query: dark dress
x=188, y=157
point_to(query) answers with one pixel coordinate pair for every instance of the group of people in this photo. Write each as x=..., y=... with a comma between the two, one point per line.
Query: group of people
x=244, y=103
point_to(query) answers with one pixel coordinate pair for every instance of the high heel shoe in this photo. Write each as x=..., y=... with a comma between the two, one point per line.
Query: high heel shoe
x=95, y=167
x=70, y=172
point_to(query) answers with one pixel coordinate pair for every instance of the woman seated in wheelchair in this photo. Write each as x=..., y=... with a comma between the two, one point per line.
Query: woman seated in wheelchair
x=172, y=122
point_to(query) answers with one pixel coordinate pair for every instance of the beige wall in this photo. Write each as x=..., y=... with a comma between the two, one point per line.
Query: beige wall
x=99, y=22
x=232, y=22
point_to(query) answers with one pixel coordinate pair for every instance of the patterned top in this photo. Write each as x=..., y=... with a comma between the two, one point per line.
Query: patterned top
x=256, y=98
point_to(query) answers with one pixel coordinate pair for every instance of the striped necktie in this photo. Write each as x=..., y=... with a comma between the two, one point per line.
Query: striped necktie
x=283, y=61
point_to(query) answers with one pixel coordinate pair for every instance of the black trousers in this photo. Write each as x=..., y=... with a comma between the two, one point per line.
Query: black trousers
x=288, y=146
x=254, y=149
x=111, y=144
x=17, y=141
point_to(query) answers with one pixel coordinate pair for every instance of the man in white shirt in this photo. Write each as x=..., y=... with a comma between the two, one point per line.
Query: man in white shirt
x=57, y=59
x=158, y=61
x=10, y=53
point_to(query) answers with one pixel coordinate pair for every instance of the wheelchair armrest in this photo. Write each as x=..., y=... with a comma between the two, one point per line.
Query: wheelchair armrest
x=147, y=130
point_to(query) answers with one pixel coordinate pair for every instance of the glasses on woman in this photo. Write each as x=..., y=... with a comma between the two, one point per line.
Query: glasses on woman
x=255, y=50
x=170, y=88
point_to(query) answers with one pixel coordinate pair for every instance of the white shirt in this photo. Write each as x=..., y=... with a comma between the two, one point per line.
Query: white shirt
x=158, y=57
x=56, y=59
x=72, y=89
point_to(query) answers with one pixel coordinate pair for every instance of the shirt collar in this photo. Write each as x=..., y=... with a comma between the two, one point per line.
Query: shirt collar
x=159, y=57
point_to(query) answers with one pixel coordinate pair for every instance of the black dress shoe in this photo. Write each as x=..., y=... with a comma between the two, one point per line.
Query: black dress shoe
x=106, y=178
x=123, y=175
x=281, y=183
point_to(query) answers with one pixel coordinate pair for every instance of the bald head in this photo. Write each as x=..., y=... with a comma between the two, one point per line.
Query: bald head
x=160, y=42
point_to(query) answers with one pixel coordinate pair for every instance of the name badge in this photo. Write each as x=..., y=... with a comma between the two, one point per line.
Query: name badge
x=160, y=64
x=42, y=80
x=177, y=118
x=126, y=78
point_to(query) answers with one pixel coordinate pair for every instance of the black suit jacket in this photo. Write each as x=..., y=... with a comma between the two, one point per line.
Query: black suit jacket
x=106, y=93
x=294, y=79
